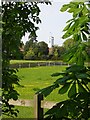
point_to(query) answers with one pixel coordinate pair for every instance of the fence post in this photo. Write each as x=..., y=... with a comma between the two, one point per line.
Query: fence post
x=38, y=111
x=19, y=65
x=29, y=65
x=49, y=63
x=38, y=64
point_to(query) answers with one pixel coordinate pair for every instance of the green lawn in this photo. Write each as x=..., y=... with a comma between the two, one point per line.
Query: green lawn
x=33, y=79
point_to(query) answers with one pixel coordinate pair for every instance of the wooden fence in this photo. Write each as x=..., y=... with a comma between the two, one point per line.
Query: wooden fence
x=28, y=65
x=38, y=103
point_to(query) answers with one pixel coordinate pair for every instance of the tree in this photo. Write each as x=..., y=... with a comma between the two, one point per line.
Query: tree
x=58, y=52
x=30, y=43
x=30, y=47
x=74, y=80
x=39, y=50
x=18, y=18
x=43, y=49
x=30, y=54
x=61, y=52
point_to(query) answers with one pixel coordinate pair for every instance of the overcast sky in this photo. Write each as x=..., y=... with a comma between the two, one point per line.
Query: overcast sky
x=53, y=22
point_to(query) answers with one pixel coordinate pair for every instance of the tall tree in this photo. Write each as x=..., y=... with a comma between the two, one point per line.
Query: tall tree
x=30, y=44
x=43, y=48
x=58, y=51
x=18, y=18
x=36, y=50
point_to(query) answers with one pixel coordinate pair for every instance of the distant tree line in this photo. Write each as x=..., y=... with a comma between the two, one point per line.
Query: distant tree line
x=34, y=50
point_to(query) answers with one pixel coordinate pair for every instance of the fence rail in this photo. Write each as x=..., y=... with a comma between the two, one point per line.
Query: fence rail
x=38, y=103
x=30, y=103
x=28, y=65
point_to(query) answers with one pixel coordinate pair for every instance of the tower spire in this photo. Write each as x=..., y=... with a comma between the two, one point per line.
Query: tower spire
x=51, y=41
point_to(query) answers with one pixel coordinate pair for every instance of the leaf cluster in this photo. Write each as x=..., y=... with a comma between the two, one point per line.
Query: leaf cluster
x=77, y=26
x=19, y=18
x=77, y=29
x=9, y=80
x=74, y=81
x=70, y=109
x=78, y=53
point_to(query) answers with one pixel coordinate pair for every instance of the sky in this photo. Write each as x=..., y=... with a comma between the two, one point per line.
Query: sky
x=53, y=23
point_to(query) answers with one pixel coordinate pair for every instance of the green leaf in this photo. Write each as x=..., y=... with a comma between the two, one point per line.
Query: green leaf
x=71, y=30
x=82, y=76
x=66, y=35
x=71, y=10
x=81, y=88
x=84, y=36
x=14, y=95
x=70, y=20
x=77, y=11
x=76, y=69
x=72, y=90
x=62, y=80
x=64, y=7
x=59, y=110
x=85, y=10
x=64, y=89
x=66, y=28
x=46, y=91
x=73, y=59
x=55, y=74
x=83, y=20
x=80, y=60
x=68, y=56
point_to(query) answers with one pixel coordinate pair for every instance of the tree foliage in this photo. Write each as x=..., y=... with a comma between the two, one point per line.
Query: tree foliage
x=18, y=18
x=58, y=52
x=35, y=50
x=78, y=29
x=75, y=79
x=43, y=48
x=30, y=43
x=78, y=25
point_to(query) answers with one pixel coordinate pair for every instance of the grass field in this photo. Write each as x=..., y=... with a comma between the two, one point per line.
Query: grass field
x=34, y=79
x=30, y=61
